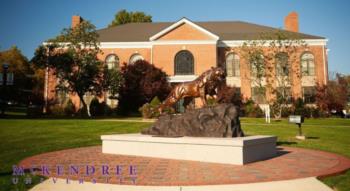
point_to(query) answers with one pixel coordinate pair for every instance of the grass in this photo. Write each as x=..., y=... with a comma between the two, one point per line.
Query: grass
x=21, y=138
x=323, y=134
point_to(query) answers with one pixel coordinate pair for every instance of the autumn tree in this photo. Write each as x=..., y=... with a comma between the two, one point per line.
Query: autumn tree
x=20, y=89
x=334, y=95
x=142, y=82
x=73, y=57
x=272, y=62
x=123, y=17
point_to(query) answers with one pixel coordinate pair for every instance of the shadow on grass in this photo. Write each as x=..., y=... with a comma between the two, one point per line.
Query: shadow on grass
x=281, y=143
x=312, y=137
x=48, y=117
x=5, y=173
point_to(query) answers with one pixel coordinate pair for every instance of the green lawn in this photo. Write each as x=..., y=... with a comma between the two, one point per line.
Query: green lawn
x=24, y=138
x=21, y=138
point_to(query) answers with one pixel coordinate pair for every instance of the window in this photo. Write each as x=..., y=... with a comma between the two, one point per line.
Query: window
x=257, y=65
x=112, y=61
x=307, y=64
x=282, y=66
x=258, y=94
x=134, y=58
x=184, y=63
x=309, y=94
x=285, y=94
x=9, y=80
x=232, y=65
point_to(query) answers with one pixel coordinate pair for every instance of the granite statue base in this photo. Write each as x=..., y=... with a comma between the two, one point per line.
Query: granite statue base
x=237, y=151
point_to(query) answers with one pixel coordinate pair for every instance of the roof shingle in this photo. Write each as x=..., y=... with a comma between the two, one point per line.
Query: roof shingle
x=226, y=30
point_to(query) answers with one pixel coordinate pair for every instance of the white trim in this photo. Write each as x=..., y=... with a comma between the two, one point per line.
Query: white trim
x=182, y=78
x=106, y=45
x=186, y=21
x=238, y=43
x=324, y=66
x=225, y=43
x=175, y=42
x=125, y=45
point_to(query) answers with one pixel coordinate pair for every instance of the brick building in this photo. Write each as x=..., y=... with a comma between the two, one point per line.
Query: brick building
x=184, y=49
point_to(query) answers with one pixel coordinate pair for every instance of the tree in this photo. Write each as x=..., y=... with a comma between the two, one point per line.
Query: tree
x=142, y=82
x=334, y=95
x=113, y=81
x=73, y=57
x=21, y=71
x=272, y=59
x=227, y=94
x=123, y=17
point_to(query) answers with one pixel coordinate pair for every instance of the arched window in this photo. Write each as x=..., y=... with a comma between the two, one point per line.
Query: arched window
x=184, y=63
x=232, y=65
x=134, y=58
x=112, y=61
x=257, y=65
x=282, y=65
x=307, y=64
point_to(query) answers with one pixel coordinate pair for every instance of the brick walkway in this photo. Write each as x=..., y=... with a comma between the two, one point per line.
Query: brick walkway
x=291, y=163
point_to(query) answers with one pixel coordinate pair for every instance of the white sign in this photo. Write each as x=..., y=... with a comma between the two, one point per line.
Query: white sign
x=295, y=119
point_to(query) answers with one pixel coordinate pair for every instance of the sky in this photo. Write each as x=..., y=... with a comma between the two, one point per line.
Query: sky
x=28, y=23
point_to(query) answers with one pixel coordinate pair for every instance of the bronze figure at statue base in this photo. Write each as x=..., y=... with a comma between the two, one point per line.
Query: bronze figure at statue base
x=213, y=121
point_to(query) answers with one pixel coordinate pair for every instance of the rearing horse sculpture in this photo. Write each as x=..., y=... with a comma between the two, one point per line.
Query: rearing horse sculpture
x=200, y=87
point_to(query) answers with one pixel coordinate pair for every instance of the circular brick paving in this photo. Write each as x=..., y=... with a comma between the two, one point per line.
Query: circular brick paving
x=291, y=163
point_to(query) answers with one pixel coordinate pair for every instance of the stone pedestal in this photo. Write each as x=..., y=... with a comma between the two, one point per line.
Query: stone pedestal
x=238, y=151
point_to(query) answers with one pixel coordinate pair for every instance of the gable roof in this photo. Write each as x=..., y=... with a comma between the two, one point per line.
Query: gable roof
x=180, y=22
x=225, y=30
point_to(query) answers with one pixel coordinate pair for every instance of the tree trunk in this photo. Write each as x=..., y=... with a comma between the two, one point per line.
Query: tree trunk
x=81, y=97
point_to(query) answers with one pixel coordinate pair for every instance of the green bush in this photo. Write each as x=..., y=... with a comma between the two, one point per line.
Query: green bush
x=307, y=111
x=250, y=109
x=211, y=101
x=57, y=110
x=315, y=112
x=155, y=102
x=149, y=110
x=286, y=111
x=146, y=111
x=69, y=109
x=99, y=109
x=34, y=111
x=95, y=107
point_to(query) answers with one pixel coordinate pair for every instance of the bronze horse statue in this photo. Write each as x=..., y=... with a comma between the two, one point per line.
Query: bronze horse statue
x=205, y=84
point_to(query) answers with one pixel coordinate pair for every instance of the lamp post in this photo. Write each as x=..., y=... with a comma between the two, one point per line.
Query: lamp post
x=3, y=103
x=5, y=67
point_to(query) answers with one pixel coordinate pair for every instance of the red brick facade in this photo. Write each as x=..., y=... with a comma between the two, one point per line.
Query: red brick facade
x=207, y=51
